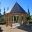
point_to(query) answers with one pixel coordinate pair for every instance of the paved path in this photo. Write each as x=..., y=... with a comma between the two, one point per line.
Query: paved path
x=8, y=29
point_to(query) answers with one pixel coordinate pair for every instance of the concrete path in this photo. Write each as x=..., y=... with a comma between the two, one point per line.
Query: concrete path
x=8, y=29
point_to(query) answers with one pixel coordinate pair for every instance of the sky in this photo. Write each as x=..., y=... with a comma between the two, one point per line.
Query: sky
x=8, y=5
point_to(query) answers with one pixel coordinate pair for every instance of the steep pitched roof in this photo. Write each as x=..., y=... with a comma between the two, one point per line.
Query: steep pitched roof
x=17, y=9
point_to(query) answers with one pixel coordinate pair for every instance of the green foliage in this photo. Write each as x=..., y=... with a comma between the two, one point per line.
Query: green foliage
x=1, y=19
x=31, y=17
x=28, y=17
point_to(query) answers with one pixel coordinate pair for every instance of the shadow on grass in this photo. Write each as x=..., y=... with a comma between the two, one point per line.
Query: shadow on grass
x=25, y=27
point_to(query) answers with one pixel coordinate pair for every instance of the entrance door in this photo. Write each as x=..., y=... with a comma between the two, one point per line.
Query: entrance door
x=15, y=19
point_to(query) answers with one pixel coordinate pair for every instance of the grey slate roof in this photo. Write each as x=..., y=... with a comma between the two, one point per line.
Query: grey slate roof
x=17, y=9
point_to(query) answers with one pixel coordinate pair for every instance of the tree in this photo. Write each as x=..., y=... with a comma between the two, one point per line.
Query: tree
x=28, y=16
x=4, y=11
x=0, y=12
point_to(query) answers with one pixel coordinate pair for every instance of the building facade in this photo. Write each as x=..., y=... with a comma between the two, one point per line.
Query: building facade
x=17, y=15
